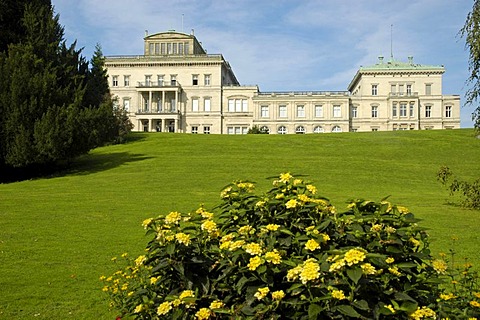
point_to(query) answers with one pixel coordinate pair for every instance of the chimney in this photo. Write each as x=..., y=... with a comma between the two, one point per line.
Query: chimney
x=410, y=59
x=380, y=59
x=146, y=33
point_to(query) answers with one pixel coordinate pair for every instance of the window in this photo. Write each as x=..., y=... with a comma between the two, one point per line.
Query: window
x=403, y=109
x=195, y=104
x=186, y=48
x=194, y=129
x=374, y=112
x=114, y=81
x=206, y=79
x=238, y=130
x=206, y=104
x=337, y=111
x=244, y=105
x=409, y=89
x=157, y=48
x=126, y=81
x=394, y=110
x=393, y=89
x=300, y=111
x=229, y=130
x=282, y=111
x=265, y=129
x=448, y=111
x=428, y=89
x=244, y=130
x=126, y=104
x=336, y=129
x=428, y=111
x=173, y=79
x=319, y=111
x=162, y=48
x=180, y=48
x=174, y=47
x=282, y=130
x=150, y=48
x=300, y=130
x=231, y=105
x=318, y=129
x=400, y=89
x=354, y=112
x=169, y=48
x=412, y=110
x=195, y=80
x=264, y=112
x=160, y=79
x=237, y=105
x=374, y=89
x=206, y=130
x=148, y=80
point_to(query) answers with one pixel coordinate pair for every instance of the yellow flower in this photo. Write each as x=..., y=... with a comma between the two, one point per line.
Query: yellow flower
x=254, y=263
x=403, y=210
x=273, y=257
x=278, y=295
x=293, y=274
x=140, y=260
x=312, y=245
x=389, y=260
x=367, y=269
x=303, y=198
x=146, y=223
x=138, y=308
x=423, y=312
x=225, y=192
x=337, y=265
x=354, y=256
x=183, y=238
x=285, y=177
x=440, y=266
x=477, y=294
x=246, y=186
x=173, y=217
x=447, y=296
x=260, y=203
x=217, y=304
x=272, y=227
x=236, y=245
x=390, y=229
x=394, y=270
x=338, y=294
x=227, y=237
x=325, y=237
x=164, y=308
x=153, y=280
x=376, y=228
x=310, y=271
x=475, y=304
x=280, y=196
x=203, y=313
x=312, y=189
x=186, y=294
x=225, y=245
x=209, y=226
x=245, y=230
x=414, y=242
x=261, y=293
x=207, y=215
x=390, y=307
x=169, y=237
x=253, y=248
x=291, y=204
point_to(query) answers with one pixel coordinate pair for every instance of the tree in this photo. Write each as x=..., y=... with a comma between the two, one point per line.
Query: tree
x=471, y=33
x=53, y=106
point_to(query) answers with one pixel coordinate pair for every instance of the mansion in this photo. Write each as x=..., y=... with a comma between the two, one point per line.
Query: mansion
x=175, y=86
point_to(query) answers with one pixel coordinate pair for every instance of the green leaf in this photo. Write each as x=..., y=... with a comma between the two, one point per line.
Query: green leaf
x=408, y=306
x=313, y=311
x=403, y=296
x=170, y=248
x=348, y=311
x=354, y=274
x=361, y=304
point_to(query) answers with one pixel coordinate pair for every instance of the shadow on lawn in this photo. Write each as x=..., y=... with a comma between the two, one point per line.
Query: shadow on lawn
x=83, y=165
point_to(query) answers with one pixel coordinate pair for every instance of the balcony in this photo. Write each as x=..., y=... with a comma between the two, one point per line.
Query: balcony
x=403, y=94
x=158, y=111
x=159, y=84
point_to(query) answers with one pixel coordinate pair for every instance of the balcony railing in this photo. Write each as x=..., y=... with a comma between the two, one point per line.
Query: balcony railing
x=304, y=93
x=157, y=84
x=402, y=94
x=156, y=111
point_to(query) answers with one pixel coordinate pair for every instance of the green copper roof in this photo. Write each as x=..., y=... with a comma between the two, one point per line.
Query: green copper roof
x=393, y=64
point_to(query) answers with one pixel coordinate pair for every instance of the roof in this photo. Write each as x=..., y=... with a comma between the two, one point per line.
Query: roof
x=393, y=65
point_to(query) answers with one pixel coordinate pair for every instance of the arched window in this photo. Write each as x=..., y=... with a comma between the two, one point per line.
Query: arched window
x=336, y=129
x=300, y=130
x=318, y=129
x=282, y=130
x=264, y=129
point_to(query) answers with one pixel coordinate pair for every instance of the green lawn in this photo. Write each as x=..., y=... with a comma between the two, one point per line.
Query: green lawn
x=58, y=234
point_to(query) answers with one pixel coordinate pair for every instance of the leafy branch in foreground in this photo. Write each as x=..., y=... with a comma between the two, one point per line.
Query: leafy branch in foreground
x=469, y=190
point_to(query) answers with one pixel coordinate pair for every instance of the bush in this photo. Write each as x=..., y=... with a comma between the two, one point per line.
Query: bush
x=286, y=254
x=469, y=190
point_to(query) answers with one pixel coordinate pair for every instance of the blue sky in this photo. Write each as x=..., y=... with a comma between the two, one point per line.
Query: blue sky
x=285, y=45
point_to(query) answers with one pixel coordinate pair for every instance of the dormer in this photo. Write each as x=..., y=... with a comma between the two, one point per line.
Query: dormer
x=172, y=43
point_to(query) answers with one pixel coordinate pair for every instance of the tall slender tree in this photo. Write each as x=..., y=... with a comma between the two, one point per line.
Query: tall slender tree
x=471, y=33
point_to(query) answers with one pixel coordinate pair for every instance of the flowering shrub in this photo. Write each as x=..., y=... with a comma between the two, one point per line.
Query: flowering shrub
x=285, y=254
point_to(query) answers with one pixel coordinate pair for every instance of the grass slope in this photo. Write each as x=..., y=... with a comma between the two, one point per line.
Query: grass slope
x=57, y=234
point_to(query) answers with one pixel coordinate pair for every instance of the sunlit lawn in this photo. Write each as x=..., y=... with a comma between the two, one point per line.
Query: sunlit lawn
x=58, y=234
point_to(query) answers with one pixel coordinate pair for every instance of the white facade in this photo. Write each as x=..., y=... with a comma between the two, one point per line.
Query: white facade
x=177, y=87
